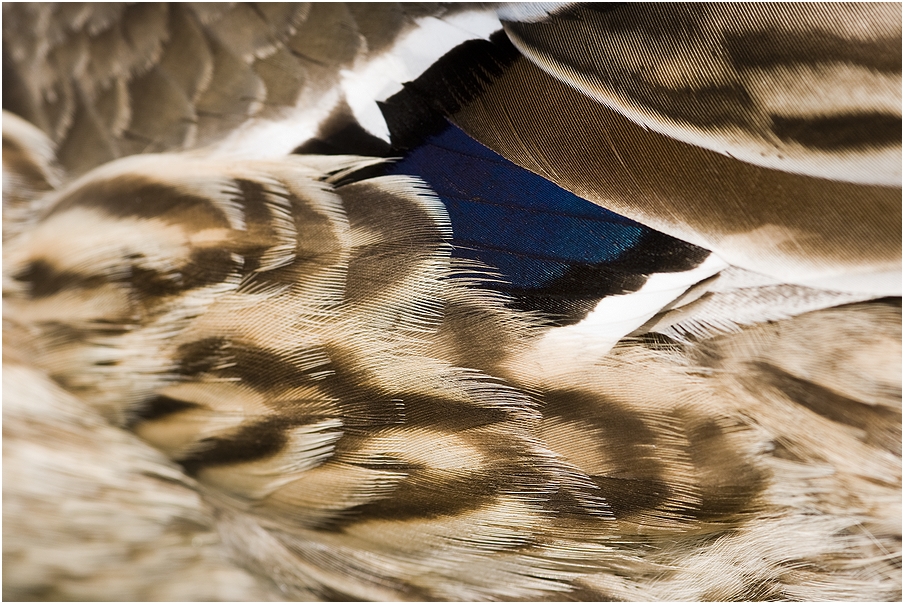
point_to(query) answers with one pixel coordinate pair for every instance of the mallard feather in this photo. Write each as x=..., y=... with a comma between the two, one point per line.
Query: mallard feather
x=435, y=302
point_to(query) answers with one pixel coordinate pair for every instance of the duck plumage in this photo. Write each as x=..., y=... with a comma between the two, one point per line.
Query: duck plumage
x=452, y=302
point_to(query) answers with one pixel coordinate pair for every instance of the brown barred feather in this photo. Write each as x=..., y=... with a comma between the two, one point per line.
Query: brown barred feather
x=318, y=416
x=264, y=376
x=810, y=89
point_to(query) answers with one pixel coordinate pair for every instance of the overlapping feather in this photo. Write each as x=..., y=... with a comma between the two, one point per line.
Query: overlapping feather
x=345, y=402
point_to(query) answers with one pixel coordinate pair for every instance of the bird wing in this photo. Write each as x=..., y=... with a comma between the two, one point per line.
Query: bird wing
x=480, y=337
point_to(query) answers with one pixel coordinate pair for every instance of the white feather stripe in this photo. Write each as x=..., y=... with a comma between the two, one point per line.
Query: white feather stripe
x=376, y=79
x=563, y=349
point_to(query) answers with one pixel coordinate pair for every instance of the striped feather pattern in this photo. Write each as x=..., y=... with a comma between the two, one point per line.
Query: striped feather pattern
x=342, y=430
x=277, y=376
x=812, y=89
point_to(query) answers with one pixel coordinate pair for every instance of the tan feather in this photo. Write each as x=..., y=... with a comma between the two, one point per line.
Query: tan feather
x=232, y=372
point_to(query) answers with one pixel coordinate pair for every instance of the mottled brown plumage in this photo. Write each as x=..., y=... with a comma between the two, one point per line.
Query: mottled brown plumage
x=235, y=373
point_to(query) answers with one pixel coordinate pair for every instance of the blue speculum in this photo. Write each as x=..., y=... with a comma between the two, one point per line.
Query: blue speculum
x=529, y=229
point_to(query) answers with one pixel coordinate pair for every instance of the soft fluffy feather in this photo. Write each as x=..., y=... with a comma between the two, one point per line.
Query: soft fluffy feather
x=288, y=375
